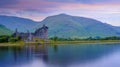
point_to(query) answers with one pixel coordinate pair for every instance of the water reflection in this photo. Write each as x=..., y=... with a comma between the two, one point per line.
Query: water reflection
x=11, y=56
x=55, y=48
x=94, y=55
x=111, y=60
x=70, y=54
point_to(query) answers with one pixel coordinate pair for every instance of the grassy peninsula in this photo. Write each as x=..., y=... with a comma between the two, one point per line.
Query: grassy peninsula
x=10, y=41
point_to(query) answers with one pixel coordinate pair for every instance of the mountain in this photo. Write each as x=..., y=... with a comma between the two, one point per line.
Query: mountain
x=117, y=28
x=12, y=23
x=4, y=30
x=66, y=26
x=61, y=25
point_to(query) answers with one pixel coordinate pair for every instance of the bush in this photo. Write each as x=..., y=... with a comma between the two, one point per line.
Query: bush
x=13, y=40
x=4, y=39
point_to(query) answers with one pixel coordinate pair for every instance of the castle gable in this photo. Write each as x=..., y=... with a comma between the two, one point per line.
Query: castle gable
x=41, y=33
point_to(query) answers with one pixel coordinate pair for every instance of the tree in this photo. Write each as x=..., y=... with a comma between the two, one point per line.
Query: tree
x=4, y=38
x=55, y=38
x=12, y=40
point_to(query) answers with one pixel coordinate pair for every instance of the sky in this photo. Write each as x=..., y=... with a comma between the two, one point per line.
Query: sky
x=107, y=11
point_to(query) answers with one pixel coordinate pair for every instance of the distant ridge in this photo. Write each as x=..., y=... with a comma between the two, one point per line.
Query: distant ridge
x=63, y=25
x=12, y=23
x=4, y=30
x=66, y=26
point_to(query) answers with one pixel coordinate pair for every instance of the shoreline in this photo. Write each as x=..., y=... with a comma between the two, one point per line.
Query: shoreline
x=63, y=42
x=87, y=42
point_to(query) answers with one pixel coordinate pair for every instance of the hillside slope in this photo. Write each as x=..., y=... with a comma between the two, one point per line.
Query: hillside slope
x=4, y=30
x=12, y=23
x=65, y=26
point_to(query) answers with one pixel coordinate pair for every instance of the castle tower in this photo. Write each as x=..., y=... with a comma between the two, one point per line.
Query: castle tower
x=16, y=34
x=16, y=30
x=29, y=36
x=45, y=32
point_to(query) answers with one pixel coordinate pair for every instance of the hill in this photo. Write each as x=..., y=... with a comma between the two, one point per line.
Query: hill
x=4, y=30
x=117, y=28
x=66, y=26
x=12, y=23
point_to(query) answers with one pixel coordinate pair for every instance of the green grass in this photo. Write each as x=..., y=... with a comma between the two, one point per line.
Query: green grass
x=84, y=41
x=21, y=43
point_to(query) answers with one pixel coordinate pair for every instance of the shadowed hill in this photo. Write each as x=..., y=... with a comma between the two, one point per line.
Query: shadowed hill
x=12, y=23
x=65, y=26
x=4, y=30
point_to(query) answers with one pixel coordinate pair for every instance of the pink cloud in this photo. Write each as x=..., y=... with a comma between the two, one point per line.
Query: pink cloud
x=47, y=6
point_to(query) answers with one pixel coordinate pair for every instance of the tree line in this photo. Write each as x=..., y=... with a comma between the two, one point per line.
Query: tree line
x=55, y=38
x=6, y=38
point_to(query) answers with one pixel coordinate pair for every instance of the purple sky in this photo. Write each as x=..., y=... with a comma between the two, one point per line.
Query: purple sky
x=107, y=11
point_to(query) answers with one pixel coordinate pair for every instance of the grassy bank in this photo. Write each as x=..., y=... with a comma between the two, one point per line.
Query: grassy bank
x=84, y=41
x=61, y=42
x=20, y=43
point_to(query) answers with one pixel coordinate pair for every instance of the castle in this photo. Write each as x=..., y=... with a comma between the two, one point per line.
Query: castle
x=39, y=34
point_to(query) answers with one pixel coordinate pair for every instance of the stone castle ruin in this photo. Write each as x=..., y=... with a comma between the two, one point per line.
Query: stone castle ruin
x=39, y=34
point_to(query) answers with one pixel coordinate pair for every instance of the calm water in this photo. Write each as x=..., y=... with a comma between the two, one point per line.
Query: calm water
x=72, y=55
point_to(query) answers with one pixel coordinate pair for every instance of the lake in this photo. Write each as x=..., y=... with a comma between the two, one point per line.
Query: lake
x=71, y=55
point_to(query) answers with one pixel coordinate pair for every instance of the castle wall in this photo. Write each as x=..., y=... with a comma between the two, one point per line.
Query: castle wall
x=41, y=33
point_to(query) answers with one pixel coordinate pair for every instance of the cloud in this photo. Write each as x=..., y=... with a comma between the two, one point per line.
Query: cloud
x=39, y=9
x=48, y=6
x=31, y=5
x=84, y=1
x=4, y=3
